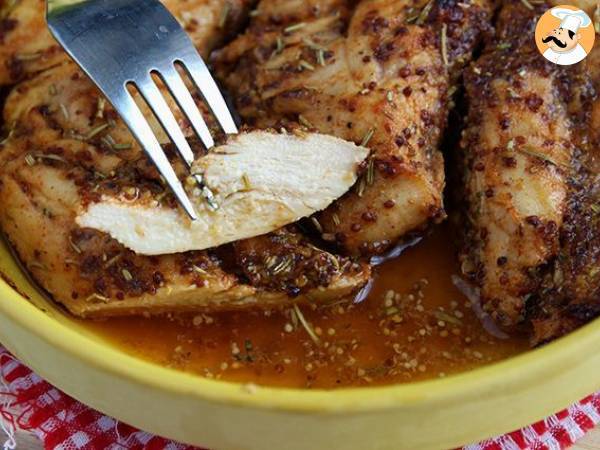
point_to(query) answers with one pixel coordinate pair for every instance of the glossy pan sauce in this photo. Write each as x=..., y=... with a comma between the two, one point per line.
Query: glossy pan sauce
x=414, y=324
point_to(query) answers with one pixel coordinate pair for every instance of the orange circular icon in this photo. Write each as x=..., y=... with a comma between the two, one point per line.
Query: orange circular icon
x=565, y=35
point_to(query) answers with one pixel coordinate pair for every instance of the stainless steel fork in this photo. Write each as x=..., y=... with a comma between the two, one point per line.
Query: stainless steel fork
x=123, y=42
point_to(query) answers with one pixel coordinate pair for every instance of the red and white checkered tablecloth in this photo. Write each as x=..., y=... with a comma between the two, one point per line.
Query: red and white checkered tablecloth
x=27, y=402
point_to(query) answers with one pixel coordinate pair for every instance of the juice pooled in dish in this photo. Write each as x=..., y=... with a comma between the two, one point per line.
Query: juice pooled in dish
x=415, y=324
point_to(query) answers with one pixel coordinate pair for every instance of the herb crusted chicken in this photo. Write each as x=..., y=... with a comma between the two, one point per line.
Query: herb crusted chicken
x=517, y=156
x=570, y=293
x=65, y=149
x=529, y=160
x=377, y=73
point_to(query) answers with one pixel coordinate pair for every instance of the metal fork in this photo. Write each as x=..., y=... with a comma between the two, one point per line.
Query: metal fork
x=124, y=42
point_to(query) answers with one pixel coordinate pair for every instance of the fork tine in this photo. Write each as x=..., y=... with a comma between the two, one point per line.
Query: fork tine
x=184, y=99
x=163, y=113
x=135, y=120
x=197, y=70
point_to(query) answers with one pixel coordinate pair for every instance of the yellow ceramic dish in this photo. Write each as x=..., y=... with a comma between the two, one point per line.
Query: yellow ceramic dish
x=426, y=415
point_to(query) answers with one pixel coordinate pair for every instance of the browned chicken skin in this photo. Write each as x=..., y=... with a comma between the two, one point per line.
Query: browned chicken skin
x=377, y=74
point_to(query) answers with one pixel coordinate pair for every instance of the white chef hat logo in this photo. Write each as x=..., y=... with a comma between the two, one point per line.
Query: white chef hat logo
x=565, y=35
x=571, y=20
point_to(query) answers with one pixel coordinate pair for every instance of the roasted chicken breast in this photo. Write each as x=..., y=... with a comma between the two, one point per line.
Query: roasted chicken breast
x=518, y=152
x=66, y=148
x=377, y=73
x=570, y=294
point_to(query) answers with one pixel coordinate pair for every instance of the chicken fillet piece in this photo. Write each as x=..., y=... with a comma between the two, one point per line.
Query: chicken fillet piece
x=65, y=148
x=570, y=294
x=518, y=151
x=377, y=73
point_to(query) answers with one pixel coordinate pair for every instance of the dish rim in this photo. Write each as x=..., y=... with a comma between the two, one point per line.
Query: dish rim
x=458, y=387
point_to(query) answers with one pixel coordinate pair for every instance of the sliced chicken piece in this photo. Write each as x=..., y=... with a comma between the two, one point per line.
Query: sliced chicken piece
x=66, y=147
x=26, y=46
x=377, y=73
x=253, y=184
x=518, y=152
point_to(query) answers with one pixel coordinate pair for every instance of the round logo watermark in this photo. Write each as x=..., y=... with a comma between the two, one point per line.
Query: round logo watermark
x=565, y=35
